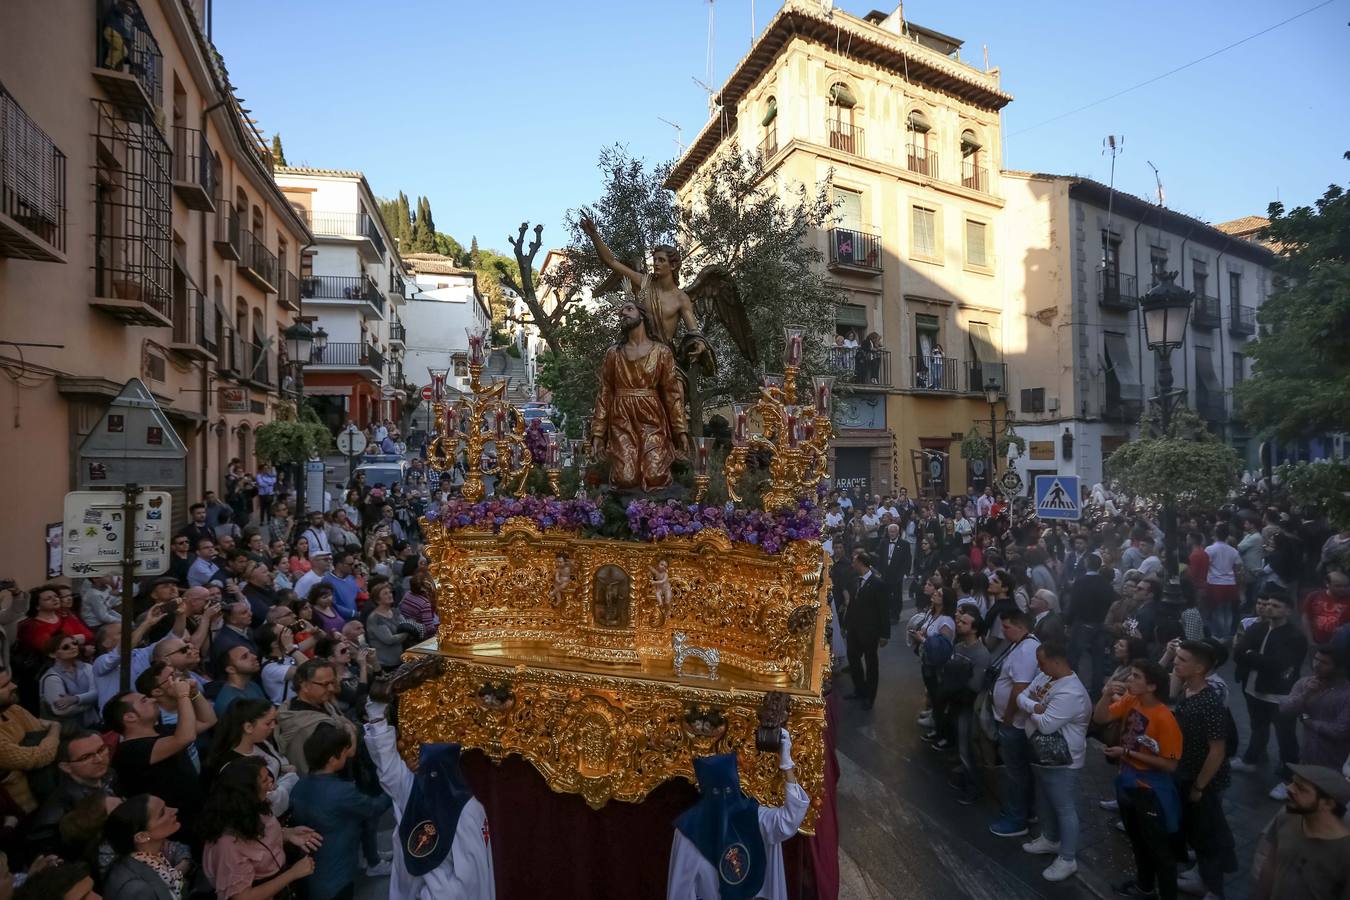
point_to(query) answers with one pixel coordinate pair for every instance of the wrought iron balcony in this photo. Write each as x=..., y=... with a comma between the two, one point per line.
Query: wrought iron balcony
x=347, y=355
x=1205, y=313
x=194, y=325
x=845, y=136
x=861, y=365
x=348, y=225
x=288, y=292
x=941, y=374
x=257, y=262
x=194, y=169
x=1116, y=290
x=768, y=145
x=227, y=241
x=32, y=188
x=1242, y=320
x=855, y=251
x=978, y=374
x=129, y=65
x=397, y=333
x=396, y=283
x=921, y=160
x=336, y=288
x=974, y=177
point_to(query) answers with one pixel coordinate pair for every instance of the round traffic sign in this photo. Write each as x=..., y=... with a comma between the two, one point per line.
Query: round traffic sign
x=352, y=442
x=426, y=392
x=1011, y=481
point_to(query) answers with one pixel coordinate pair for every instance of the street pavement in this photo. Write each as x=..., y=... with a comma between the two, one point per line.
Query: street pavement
x=903, y=836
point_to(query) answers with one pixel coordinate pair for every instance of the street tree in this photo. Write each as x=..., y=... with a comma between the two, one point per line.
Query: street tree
x=1186, y=465
x=1300, y=383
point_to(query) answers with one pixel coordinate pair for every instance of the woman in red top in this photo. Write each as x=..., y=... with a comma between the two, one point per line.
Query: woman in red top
x=46, y=619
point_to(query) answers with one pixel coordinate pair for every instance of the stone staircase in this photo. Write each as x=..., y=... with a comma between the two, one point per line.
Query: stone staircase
x=502, y=366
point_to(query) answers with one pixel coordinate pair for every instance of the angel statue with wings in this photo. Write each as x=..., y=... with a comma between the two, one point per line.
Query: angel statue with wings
x=658, y=291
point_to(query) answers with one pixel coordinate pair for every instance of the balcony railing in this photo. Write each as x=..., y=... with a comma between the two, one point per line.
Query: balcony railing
x=336, y=287
x=256, y=261
x=194, y=169
x=861, y=365
x=1116, y=290
x=194, y=325
x=227, y=239
x=974, y=177
x=845, y=136
x=768, y=145
x=935, y=373
x=979, y=374
x=288, y=292
x=1242, y=320
x=397, y=333
x=396, y=284
x=32, y=188
x=129, y=65
x=921, y=160
x=348, y=355
x=1205, y=312
x=348, y=225
x=852, y=249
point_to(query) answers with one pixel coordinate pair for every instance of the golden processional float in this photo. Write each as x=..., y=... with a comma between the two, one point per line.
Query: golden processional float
x=611, y=664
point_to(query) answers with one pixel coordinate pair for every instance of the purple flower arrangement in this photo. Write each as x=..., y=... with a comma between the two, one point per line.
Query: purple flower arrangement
x=546, y=512
x=770, y=531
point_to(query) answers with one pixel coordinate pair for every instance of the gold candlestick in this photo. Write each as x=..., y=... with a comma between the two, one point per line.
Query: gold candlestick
x=473, y=438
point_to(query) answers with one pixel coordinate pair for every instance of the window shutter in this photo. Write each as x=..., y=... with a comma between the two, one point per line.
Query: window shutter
x=925, y=232
x=977, y=250
x=840, y=95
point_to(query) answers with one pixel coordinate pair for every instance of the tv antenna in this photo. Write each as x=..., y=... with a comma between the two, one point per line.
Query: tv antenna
x=1114, y=145
x=679, y=139
x=1157, y=179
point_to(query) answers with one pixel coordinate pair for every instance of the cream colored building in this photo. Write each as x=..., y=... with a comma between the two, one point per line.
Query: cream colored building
x=908, y=134
x=1079, y=256
x=352, y=286
x=141, y=235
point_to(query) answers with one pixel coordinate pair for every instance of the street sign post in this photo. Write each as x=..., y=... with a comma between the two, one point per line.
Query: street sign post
x=426, y=392
x=132, y=446
x=351, y=443
x=1057, y=497
x=95, y=535
x=314, y=493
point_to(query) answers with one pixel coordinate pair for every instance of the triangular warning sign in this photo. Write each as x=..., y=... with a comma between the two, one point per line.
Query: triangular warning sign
x=1057, y=497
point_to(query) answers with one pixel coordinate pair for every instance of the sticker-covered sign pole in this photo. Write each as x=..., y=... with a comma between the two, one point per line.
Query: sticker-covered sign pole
x=129, y=506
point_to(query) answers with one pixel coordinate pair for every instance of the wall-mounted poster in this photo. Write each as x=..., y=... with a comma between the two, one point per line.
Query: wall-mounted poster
x=53, y=545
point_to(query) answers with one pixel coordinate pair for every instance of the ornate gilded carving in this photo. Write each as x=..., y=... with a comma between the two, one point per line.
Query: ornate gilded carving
x=609, y=737
x=613, y=596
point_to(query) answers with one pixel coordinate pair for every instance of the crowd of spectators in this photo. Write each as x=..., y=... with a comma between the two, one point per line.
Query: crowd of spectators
x=236, y=765
x=1039, y=640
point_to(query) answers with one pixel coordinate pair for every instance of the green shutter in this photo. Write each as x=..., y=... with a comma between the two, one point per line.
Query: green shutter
x=842, y=96
x=851, y=315
x=771, y=113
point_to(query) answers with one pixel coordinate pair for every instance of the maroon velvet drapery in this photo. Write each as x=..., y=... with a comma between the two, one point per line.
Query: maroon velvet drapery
x=547, y=844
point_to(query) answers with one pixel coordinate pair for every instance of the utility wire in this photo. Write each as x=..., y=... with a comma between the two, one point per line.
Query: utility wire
x=1194, y=62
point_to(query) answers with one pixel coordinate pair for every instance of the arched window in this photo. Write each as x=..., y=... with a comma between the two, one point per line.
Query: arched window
x=974, y=175
x=920, y=144
x=844, y=133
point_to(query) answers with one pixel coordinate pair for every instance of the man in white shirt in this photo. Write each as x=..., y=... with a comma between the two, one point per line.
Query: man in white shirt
x=316, y=534
x=1220, y=599
x=1151, y=566
x=835, y=517
x=1018, y=667
x=984, y=504
x=320, y=564
x=871, y=521
x=727, y=844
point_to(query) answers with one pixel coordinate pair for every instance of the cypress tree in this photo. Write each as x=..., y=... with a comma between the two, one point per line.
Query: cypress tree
x=278, y=154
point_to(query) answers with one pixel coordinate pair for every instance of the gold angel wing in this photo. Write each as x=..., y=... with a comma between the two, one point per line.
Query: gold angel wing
x=714, y=293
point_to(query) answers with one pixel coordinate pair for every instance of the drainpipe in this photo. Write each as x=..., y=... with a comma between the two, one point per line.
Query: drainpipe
x=1139, y=322
x=1218, y=296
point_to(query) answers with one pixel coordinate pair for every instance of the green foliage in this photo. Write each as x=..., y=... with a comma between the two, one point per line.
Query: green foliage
x=1188, y=464
x=1323, y=485
x=278, y=154
x=1300, y=383
x=763, y=235
x=976, y=446
x=290, y=440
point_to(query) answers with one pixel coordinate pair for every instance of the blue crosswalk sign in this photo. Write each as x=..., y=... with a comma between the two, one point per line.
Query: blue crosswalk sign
x=1057, y=497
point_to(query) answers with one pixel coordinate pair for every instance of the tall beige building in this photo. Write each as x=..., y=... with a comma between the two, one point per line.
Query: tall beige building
x=908, y=134
x=141, y=235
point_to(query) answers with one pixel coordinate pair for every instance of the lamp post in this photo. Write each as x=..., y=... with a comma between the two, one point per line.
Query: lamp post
x=1166, y=311
x=992, y=389
x=301, y=344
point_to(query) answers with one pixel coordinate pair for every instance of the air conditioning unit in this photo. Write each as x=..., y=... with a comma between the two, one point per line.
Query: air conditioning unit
x=1052, y=404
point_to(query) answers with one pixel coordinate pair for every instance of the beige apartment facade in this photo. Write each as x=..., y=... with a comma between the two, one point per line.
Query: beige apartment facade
x=1080, y=257
x=141, y=235
x=907, y=135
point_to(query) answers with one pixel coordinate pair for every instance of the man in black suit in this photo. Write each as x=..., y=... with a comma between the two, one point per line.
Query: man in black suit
x=1089, y=600
x=867, y=627
x=1075, y=565
x=894, y=561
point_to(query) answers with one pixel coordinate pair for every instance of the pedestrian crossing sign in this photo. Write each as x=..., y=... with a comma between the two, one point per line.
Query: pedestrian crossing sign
x=1057, y=497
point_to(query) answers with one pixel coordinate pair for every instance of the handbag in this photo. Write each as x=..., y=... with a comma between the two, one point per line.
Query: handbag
x=1050, y=750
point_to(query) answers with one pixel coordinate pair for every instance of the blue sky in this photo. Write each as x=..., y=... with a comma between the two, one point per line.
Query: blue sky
x=496, y=110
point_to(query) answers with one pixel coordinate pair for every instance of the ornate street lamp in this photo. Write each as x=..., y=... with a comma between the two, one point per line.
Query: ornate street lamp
x=299, y=343
x=1166, y=311
x=301, y=347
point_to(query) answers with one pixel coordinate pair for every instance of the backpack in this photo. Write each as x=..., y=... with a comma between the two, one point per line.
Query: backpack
x=935, y=650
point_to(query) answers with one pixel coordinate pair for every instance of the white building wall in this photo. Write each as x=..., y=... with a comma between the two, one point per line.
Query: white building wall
x=437, y=317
